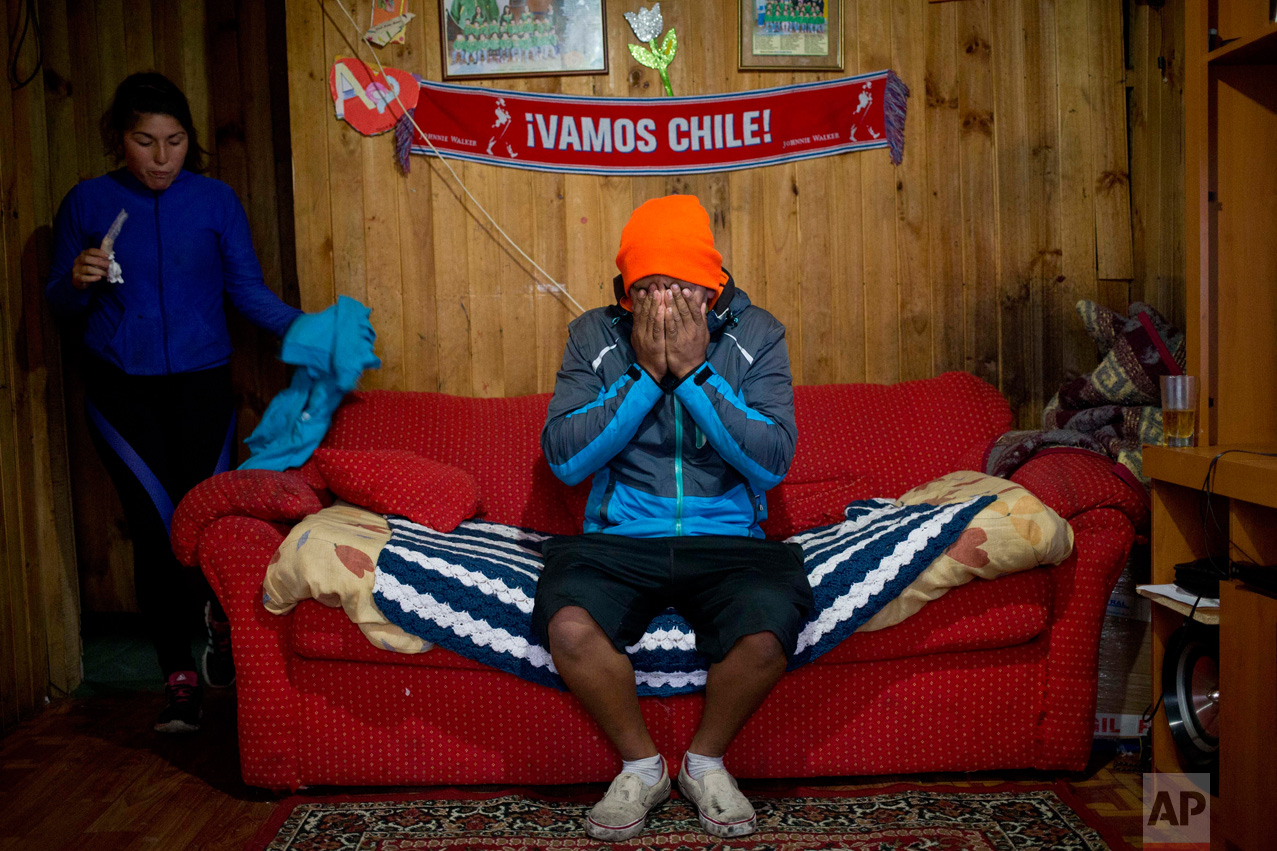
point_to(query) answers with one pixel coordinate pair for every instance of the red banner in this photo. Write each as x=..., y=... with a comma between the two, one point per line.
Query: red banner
x=668, y=135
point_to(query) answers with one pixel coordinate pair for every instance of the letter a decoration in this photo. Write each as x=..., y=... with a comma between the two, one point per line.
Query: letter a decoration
x=370, y=102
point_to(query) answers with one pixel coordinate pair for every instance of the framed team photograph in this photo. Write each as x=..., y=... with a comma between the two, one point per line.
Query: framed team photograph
x=791, y=35
x=483, y=39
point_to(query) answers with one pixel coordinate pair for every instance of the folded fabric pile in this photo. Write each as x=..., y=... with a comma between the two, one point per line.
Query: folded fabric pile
x=331, y=349
x=1114, y=410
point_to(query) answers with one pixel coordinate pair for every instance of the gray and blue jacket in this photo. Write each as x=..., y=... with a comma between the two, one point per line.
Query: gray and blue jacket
x=689, y=457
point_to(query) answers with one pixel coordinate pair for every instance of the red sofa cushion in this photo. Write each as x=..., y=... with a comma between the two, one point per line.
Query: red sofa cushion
x=794, y=507
x=899, y=435
x=396, y=481
x=498, y=441
x=981, y=615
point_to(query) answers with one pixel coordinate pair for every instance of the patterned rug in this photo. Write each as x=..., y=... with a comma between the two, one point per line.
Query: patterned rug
x=1008, y=817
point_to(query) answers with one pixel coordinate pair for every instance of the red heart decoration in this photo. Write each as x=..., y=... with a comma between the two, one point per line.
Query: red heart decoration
x=365, y=98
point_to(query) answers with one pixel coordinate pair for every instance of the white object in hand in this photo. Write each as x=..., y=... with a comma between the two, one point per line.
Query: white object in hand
x=114, y=274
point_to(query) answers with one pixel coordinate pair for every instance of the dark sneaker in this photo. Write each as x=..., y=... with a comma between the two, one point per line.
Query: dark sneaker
x=217, y=664
x=623, y=811
x=185, y=704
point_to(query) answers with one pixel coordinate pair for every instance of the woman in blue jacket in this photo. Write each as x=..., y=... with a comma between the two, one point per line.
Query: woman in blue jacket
x=157, y=349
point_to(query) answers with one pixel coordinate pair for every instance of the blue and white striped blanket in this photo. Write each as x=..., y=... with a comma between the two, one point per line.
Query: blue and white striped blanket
x=471, y=590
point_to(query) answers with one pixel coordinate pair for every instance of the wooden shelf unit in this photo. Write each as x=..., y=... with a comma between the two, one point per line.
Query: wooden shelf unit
x=1230, y=106
x=1230, y=152
x=1244, y=502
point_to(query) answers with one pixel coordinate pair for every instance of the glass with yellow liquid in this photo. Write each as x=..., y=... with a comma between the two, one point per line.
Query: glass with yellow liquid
x=1179, y=409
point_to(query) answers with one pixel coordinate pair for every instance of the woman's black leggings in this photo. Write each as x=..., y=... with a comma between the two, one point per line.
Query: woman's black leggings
x=159, y=436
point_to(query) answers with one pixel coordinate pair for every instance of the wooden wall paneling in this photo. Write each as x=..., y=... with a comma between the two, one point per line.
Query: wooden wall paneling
x=747, y=260
x=878, y=215
x=416, y=229
x=166, y=18
x=1015, y=331
x=385, y=284
x=585, y=242
x=196, y=71
x=225, y=138
x=846, y=297
x=909, y=59
x=113, y=61
x=310, y=114
x=1114, y=266
x=87, y=85
x=928, y=268
x=23, y=196
x=451, y=268
x=944, y=188
x=553, y=310
x=53, y=652
x=64, y=134
x=49, y=578
x=782, y=260
x=1143, y=121
x=416, y=253
x=345, y=174
x=483, y=278
x=518, y=286
x=61, y=585
x=979, y=170
x=15, y=663
x=1077, y=189
x=139, y=43
x=817, y=277
x=258, y=372
x=1167, y=288
x=1155, y=121
x=1044, y=373
x=1199, y=285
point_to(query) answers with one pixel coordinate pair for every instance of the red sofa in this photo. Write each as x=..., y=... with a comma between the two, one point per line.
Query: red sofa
x=994, y=675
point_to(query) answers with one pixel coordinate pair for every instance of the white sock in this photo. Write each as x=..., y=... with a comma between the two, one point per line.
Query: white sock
x=697, y=765
x=649, y=770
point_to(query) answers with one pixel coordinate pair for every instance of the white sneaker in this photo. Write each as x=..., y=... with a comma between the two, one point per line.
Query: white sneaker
x=721, y=807
x=623, y=811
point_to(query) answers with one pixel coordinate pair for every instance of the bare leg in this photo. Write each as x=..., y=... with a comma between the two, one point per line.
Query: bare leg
x=601, y=678
x=735, y=688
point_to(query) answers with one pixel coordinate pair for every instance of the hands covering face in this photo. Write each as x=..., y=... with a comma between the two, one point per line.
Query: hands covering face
x=670, y=334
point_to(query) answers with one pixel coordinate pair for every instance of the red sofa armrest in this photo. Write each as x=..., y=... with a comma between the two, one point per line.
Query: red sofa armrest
x=1072, y=482
x=234, y=553
x=261, y=494
x=1081, y=586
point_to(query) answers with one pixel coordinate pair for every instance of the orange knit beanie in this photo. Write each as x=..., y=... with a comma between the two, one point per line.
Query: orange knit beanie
x=670, y=236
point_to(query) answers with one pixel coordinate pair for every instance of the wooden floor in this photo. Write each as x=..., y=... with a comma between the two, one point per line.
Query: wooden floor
x=89, y=774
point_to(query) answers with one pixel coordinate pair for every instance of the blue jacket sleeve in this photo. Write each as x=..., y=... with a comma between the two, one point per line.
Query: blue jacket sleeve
x=68, y=242
x=754, y=430
x=243, y=274
x=587, y=423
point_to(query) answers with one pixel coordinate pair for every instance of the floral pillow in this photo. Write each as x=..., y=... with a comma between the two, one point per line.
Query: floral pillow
x=330, y=557
x=1014, y=533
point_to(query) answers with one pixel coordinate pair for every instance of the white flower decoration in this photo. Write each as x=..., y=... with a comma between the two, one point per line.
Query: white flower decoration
x=646, y=23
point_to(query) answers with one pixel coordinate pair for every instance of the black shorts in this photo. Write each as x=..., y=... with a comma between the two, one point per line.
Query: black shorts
x=725, y=587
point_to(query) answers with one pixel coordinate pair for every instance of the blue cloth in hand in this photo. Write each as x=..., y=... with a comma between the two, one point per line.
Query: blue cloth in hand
x=331, y=349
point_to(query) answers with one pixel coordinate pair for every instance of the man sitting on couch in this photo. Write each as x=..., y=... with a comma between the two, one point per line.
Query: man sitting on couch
x=679, y=402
